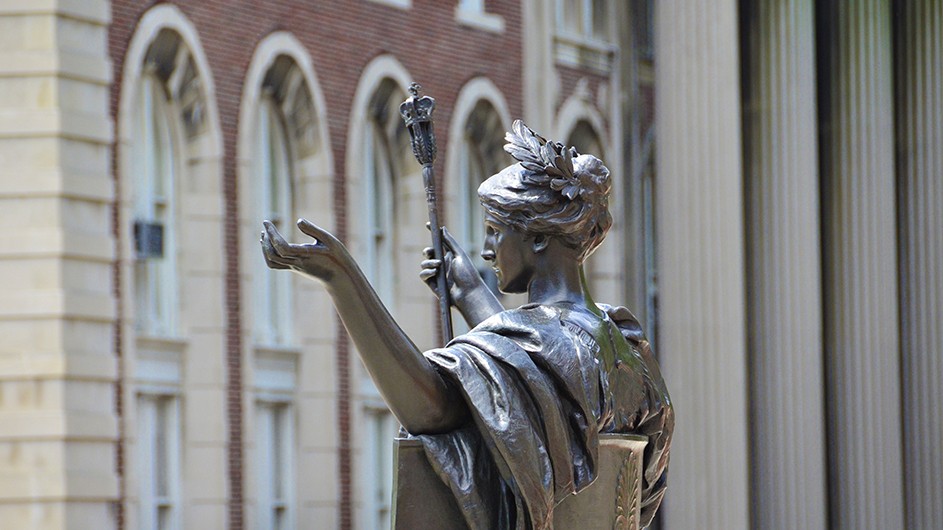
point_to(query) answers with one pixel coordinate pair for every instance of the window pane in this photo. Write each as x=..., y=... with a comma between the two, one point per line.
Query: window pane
x=273, y=322
x=158, y=474
x=599, y=19
x=162, y=460
x=571, y=16
x=155, y=168
x=276, y=463
x=476, y=6
x=164, y=519
x=382, y=428
x=381, y=211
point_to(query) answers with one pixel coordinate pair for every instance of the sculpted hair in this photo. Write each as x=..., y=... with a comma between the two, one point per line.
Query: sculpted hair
x=552, y=191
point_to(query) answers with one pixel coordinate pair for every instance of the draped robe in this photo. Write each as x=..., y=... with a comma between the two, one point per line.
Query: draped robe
x=541, y=382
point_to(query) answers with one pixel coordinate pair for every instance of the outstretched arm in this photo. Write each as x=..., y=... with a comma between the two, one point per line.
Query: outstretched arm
x=418, y=396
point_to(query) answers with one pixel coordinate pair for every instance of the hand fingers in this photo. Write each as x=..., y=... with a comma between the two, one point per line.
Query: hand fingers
x=431, y=264
x=281, y=247
x=313, y=230
x=269, y=253
x=427, y=274
x=428, y=252
x=451, y=242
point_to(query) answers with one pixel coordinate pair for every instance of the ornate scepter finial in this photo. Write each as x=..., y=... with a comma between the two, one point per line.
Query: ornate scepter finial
x=417, y=112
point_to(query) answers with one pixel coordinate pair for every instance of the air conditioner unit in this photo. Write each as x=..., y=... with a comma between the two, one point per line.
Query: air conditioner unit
x=148, y=240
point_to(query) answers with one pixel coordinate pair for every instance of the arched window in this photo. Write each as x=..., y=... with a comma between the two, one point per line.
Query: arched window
x=481, y=155
x=284, y=132
x=155, y=162
x=384, y=142
x=273, y=171
x=169, y=111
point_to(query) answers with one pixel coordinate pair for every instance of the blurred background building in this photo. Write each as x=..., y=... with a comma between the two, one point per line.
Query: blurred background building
x=783, y=245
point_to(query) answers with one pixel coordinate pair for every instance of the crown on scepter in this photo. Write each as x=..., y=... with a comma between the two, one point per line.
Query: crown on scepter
x=417, y=112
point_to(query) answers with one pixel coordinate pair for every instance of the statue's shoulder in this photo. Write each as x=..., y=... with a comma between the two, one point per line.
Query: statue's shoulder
x=626, y=322
x=530, y=326
x=535, y=316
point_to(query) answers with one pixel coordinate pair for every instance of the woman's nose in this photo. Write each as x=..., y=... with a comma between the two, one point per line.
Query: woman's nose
x=487, y=254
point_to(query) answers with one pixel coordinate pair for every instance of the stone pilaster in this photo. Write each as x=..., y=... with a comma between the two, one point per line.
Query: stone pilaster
x=919, y=69
x=788, y=461
x=702, y=336
x=58, y=429
x=860, y=266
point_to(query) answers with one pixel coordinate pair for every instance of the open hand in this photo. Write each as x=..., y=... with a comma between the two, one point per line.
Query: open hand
x=322, y=259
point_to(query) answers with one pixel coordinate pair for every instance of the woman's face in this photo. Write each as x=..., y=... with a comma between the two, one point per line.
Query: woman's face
x=510, y=253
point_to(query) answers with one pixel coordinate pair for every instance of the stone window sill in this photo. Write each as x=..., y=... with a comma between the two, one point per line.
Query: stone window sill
x=157, y=366
x=479, y=20
x=400, y=4
x=275, y=372
x=581, y=52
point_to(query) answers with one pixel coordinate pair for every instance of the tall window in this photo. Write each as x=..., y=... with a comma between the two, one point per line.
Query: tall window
x=651, y=277
x=586, y=19
x=383, y=146
x=159, y=462
x=643, y=15
x=381, y=427
x=380, y=212
x=273, y=172
x=276, y=462
x=274, y=457
x=481, y=155
x=155, y=165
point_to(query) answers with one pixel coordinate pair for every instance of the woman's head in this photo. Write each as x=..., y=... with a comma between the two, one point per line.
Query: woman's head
x=553, y=191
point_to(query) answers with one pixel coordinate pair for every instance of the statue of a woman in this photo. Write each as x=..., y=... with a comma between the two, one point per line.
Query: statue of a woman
x=510, y=413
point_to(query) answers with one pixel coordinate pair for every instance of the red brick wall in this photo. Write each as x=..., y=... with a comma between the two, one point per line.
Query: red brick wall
x=342, y=36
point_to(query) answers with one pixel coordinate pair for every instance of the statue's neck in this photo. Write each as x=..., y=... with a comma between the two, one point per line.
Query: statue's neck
x=557, y=281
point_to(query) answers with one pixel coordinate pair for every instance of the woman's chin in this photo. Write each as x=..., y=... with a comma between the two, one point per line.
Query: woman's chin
x=512, y=287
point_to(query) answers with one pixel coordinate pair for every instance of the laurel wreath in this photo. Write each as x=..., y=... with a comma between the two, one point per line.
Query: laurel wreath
x=548, y=163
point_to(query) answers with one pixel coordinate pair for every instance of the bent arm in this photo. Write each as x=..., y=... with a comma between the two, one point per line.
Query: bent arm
x=467, y=290
x=418, y=396
x=477, y=303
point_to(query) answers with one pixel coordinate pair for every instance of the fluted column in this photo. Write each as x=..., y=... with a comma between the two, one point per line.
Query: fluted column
x=702, y=341
x=787, y=408
x=861, y=317
x=919, y=71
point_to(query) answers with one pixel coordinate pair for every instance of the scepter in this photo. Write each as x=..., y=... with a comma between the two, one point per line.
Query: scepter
x=417, y=112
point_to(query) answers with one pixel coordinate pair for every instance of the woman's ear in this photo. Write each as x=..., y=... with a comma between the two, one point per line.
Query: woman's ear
x=541, y=242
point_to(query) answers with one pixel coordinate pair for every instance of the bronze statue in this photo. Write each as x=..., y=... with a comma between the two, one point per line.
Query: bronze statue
x=511, y=412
